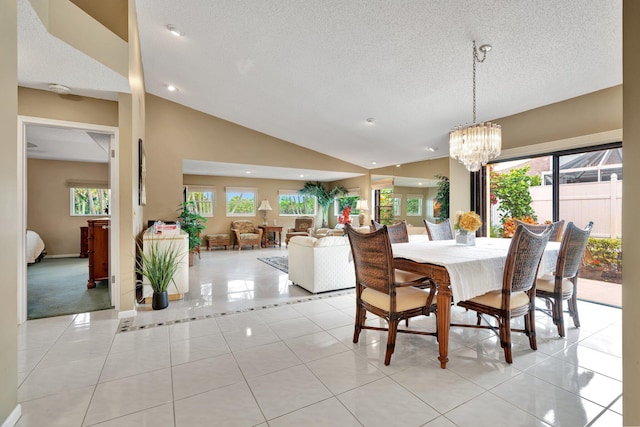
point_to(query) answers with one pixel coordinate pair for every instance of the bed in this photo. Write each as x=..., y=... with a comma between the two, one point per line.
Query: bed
x=35, y=247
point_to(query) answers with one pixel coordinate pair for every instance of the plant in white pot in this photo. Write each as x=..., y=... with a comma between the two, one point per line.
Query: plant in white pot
x=158, y=264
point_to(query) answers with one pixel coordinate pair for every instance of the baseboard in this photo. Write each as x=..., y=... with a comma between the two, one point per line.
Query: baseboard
x=64, y=256
x=13, y=417
x=128, y=313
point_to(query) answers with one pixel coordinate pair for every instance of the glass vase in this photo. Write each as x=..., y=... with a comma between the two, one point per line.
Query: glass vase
x=466, y=238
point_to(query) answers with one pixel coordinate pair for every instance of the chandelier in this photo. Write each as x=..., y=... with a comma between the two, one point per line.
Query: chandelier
x=475, y=145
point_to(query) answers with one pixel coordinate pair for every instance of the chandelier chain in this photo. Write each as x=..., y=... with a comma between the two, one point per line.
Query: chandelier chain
x=476, y=59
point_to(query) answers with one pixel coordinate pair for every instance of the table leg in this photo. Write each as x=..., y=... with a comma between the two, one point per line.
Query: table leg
x=443, y=302
x=279, y=238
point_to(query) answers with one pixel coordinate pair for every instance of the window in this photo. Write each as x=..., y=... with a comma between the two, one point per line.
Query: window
x=203, y=199
x=241, y=201
x=89, y=201
x=351, y=199
x=414, y=205
x=291, y=203
x=397, y=202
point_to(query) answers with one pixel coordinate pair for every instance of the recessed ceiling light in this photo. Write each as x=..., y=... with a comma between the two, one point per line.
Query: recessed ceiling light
x=398, y=166
x=60, y=89
x=176, y=32
x=371, y=120
x=374, y=163
x=172, y=88
x=301, y=176
x=419, y=183
x=247, y=172
x=431, y=149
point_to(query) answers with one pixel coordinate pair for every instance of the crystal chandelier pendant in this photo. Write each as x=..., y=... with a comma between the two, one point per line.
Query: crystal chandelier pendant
x=478, y=143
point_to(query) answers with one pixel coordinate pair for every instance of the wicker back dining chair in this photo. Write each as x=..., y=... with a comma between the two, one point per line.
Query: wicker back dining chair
x=440, y=231
x=379, y=293
x=517, y=296
x=563, y=285
x=556, y=229
x=398, y=233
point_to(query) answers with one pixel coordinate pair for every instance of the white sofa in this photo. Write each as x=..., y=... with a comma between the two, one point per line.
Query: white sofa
x=321, y=265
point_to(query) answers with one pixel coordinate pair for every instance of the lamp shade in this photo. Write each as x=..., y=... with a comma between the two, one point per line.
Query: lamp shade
x=265, y=206
x=362, y=205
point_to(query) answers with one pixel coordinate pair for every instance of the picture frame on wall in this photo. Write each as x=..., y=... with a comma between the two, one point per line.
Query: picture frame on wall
x=142, y=175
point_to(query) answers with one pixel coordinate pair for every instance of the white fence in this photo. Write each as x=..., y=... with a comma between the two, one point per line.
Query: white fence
x=600, y=202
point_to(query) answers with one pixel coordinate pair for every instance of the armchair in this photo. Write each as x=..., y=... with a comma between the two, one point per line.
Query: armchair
x=245, y=233
x=303, y=227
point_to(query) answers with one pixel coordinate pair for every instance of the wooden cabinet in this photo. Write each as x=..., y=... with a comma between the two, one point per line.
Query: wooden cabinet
x=98, y=250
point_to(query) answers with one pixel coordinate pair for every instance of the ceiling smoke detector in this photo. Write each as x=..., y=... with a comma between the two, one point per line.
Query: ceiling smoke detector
x=60, y=89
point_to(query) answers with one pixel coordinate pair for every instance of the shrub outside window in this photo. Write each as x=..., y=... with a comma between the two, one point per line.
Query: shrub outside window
x=90, y=201
x=414, y=205
x=292, y=203
x=350, y=200
x=241, y=201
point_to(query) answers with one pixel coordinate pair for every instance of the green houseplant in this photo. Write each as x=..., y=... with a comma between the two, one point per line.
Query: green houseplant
x=323, y=196
x=193, y=224
x=158, y=264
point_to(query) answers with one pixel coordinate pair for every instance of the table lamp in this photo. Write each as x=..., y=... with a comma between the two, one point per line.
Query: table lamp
x=362, y=206
x=264, y=207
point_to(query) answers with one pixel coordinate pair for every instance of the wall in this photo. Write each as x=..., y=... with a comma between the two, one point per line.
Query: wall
x=10, y=202
x=175, y=133
x=48, y=201
x=361, y=183
x=630, y=209
x=266, y=189
x=416, y=221
x=421, y=169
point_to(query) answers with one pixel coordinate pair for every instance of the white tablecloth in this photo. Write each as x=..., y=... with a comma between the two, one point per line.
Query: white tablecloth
x=473, y=270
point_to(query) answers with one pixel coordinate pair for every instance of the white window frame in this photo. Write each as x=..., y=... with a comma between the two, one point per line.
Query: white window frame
x=190, y=189
x=296, y=193
x=243, y=190
x=355, y=192
x=420, y=197
x=72, y=193
x=397, y=205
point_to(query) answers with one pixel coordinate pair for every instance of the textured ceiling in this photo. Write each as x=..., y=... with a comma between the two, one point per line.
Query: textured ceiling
x=311, y=73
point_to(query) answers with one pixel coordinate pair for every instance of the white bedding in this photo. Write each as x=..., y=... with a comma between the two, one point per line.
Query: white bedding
x=35, y=246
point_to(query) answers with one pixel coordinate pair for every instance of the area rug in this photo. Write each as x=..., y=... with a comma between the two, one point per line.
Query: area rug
x=57, y=286
x=279, y=262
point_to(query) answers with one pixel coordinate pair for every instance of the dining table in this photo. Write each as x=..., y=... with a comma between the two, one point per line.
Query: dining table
x=461, y=272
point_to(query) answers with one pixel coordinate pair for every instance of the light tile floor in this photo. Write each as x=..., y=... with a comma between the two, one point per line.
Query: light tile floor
x=294, y=364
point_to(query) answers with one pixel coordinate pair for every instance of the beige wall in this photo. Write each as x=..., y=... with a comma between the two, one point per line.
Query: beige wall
x=422, y=169
x=266, y=189
x=175, y=133
x=10, y=231
x=630, y=209
x=361, y=183
x=48, y=201
x=416, y=221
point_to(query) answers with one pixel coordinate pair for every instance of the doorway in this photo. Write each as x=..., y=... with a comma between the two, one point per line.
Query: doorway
x=69, y=175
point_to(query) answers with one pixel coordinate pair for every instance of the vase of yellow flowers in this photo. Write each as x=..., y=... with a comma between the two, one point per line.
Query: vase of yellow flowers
x=466, y=224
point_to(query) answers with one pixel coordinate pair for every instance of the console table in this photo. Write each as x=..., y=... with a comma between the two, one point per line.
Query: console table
x=267, y=230
x=98, y=250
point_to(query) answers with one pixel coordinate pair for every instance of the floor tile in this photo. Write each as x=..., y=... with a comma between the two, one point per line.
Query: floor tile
x=265, y=359
x=344, y=371
x=233, y=405
x=315, y=346
x=204, y=375
x=159, y=416
x=63, y=409
x=241, y=339
x=132, y=394
x=329, y=412
x=296, y=327
x=200, y=347
x=371, y=404
x=287, y=390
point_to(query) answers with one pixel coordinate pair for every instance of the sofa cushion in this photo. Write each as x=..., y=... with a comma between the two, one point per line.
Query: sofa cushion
x=244, y=226
x=303, y=240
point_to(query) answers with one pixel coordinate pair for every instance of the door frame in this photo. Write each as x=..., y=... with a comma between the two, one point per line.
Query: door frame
x=114, y=241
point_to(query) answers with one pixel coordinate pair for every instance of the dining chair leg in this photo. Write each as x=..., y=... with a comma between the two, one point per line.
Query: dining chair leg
x=558, y=316
x=530, y=328
x=505, y=339
x=391, y=340
x=360, y=314
x=573, y=307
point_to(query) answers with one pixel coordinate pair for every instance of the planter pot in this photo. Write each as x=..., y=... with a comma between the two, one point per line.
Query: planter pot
x=192, y=258
x=465, y=238
x=160, y=300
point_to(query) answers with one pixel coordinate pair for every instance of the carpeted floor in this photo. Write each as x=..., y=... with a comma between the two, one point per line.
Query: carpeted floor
x=279, y=262
x=58, y=286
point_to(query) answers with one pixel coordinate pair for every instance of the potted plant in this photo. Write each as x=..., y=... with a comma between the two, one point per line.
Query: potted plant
x=158, y=263
x=323, y=197
x=193, y=224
